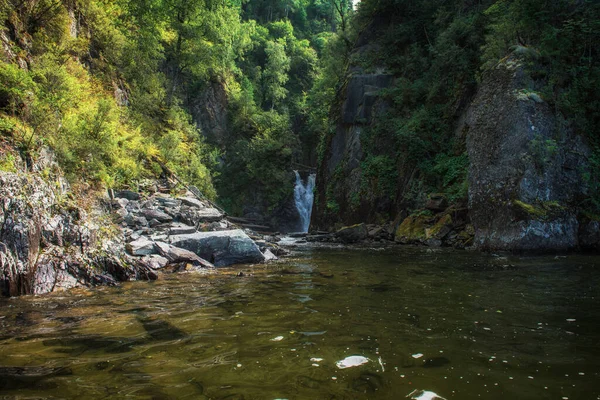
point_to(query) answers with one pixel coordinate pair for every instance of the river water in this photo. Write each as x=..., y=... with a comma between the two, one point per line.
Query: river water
x=463, y=325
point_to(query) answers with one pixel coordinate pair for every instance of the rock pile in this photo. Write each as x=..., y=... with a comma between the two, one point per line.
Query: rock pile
x=182, y=232
x=49, y=242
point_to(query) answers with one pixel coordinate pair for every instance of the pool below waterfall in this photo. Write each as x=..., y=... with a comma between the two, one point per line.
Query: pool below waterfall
x=325, y=323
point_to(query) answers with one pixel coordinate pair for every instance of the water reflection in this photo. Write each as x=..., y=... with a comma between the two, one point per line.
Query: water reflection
x=461, y=325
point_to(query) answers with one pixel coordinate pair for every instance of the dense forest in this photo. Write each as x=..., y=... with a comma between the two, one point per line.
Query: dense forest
x=233, y=95
x=121, y=90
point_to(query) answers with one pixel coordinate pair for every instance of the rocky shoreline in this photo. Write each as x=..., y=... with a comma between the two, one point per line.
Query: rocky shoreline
x=51, y=240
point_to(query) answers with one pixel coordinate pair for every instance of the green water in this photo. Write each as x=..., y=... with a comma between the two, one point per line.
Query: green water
x=487, y=326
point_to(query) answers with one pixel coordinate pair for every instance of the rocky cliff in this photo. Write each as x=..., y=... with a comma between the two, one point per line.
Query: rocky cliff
x=209, y=111
x=528, y=171
x=339, y=195
x=49, y=242
x=55, y=238
x=527, y=167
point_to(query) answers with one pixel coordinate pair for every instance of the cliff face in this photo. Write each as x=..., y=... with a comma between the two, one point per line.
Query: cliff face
x=340, y=171
x=48, y=242
x=527, y=168
x=528, y=171
x=209, y=111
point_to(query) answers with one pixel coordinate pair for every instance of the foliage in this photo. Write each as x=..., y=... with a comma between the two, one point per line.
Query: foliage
x=66, y=97
x=437, y=58
x=560, y=40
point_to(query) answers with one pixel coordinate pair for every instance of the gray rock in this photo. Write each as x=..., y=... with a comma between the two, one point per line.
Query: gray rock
x=193, y=216
x=177, y=255
x=191, y=202
x=140, y=221
x=160, y=216
x=135, y=221
x=122, y=213
x=352, y=234
x=120, y=202
x=134, y=236
x=155, y=261
x=133, y=206
x=297, y=234
x=526, y=170
x=168, y=202
x=217, y=226
x=221, y=248
x=209, y=108
x=159, y=237
x=127, y=194
x=181, y=229
x=141, y=247
x=269, y=256
x=436, y=202
x=208, y=215
x=52, y=274
x=375, y=232
x=361, y=103
x=589, y=234
x=320, y=238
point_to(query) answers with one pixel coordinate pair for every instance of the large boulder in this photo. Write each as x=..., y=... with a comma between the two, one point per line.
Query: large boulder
x=222, y=248
x=352, y=234
x=412, y=229
x=526, y=173
x=178, y=255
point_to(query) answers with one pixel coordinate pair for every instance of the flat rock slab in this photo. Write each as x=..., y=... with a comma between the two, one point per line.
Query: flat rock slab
x=158, y=215
x=155, y=261
x=181, y=229
x=208, y=215
x=222, y=248
x=141, y=247
x=191, y=202
x=177, y=255
x=127, y=194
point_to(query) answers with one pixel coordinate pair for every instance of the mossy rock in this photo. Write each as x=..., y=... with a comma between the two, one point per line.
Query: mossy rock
x=412, y=229
x=352, y=234
x=440, y=229
x=542, y=211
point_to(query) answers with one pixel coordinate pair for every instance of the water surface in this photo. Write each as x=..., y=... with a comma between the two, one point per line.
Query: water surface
x=461, y=324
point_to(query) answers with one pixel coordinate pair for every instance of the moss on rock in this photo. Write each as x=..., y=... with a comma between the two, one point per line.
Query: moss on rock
x=441, y=228
x=412, y=229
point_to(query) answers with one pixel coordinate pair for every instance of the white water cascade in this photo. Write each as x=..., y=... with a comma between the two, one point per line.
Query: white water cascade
x=303, y=196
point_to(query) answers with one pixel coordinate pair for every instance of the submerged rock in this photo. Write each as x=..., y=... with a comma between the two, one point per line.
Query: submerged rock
x=222, y=248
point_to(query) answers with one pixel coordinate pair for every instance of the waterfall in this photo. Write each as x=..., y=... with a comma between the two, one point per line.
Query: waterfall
x=303, y=197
